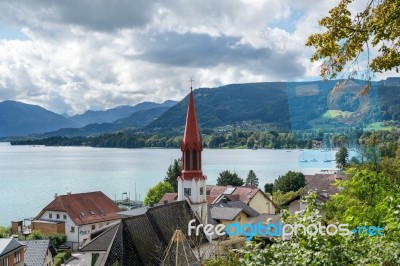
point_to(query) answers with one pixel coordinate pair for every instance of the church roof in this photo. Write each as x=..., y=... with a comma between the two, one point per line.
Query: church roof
x=191, y=137
x=84, y=208
x=142, y=239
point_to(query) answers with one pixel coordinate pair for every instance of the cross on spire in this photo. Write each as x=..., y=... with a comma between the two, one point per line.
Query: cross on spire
x=191, y=83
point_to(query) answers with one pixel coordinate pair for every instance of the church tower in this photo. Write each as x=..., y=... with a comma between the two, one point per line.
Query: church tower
x=192, y=182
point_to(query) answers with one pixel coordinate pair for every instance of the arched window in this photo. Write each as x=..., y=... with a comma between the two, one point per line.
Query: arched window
x=187, y=160
x=194, y=158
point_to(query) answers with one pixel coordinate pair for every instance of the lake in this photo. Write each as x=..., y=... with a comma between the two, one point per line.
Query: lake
x=31, y=175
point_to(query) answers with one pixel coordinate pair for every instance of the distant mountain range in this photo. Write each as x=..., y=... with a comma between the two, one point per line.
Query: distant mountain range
x=21, y=119
x=279, y=106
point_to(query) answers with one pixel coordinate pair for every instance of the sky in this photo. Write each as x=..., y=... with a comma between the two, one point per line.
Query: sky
x=75, y=55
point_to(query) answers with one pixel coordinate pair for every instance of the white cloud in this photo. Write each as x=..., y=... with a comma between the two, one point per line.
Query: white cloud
x=99, y=54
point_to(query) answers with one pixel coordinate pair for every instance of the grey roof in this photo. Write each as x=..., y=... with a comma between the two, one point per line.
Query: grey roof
x=142, y=239
x=238, y=204
x=102, y=241
x=135, y=212
x=224, y=213
x=36, y=252
x=7, y=245
x=264, y=219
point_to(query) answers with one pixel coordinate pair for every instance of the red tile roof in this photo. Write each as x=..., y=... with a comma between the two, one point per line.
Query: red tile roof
x=244, y=194
x=84, y=208
x=170, y=197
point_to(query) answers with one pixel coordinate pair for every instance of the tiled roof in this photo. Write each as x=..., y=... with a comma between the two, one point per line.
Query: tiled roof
x=102, y=242
x=36, y=252
x=238, y=204
x=142, y=239
x=84, y=208
x=134, y=212
x=7, y=245
x=244, y=194
x=320, y=182
x=224, y=213
x=170, y=197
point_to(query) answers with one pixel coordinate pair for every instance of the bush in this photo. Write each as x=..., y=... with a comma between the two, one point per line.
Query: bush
x=57, y=239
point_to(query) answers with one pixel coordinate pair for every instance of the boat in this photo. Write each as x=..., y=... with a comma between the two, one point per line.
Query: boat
x=314, y=160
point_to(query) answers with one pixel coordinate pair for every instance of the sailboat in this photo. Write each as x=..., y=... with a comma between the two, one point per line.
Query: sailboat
x=303, y=160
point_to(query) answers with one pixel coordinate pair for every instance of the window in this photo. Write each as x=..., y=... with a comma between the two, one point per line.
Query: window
x=65, y=217
x=194, y=158
x=93, y=226
x=50, y=215
x=5, y=261
x=17, y=256
x=58, y=216
x=187, y=160
x=187, y=191
x=201, y=191
x=72, y=229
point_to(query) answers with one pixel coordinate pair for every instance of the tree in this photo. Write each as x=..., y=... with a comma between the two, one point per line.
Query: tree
x=5, y=232
x=291, y=181
x=157, y=192
x=227, y=178
x=342, y=157
x=174, y=170
x=269, y=187
x=252, y=179
x=347, y=36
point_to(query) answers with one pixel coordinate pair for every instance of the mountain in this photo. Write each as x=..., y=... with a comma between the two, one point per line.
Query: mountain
x=111, y=115
x=21, y=119
x=138, y=119
x=286, y=105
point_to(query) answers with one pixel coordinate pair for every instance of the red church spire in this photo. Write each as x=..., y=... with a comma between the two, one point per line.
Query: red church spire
x=191, y=146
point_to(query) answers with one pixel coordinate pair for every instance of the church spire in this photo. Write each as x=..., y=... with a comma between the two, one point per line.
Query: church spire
x=191, y=183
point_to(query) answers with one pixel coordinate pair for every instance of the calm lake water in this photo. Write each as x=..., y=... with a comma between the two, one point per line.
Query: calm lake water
x=31, y=175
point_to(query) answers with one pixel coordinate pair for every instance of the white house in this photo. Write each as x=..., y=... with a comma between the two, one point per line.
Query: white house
x=77, y=215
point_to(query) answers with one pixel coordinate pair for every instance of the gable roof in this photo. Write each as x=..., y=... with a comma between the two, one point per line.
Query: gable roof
x=224, y=213
x=321, y=182
x=244, y=194
x=142, y=239
x=169, y=197
x=84, y=208
x=8, y=245
x=238, y=204
x=36, y=252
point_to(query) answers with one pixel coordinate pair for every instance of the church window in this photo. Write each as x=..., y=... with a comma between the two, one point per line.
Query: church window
x=201, y=191
x=187, y=160
x=187, y=192
x=194, y=158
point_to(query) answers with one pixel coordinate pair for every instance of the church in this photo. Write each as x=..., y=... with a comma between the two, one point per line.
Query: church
x=157, y=235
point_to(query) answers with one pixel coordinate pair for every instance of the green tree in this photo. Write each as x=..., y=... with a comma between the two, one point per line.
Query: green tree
x=269, y=187
x=291, y=181
x=252, y=179
x=155, y=193
x=342, y=157
x=174, y=170
x=348, y=35
x=227, y=178
x=5, y=232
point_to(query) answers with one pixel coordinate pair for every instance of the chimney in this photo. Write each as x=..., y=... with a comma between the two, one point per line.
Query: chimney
x=68, y=192
x=55, y=195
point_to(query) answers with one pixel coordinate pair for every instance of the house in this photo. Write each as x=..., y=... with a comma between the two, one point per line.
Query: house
x=77, y=216
x=323, y=185
x=253, y=197
x=11, y=252
x=38, y=252
x=228, y=212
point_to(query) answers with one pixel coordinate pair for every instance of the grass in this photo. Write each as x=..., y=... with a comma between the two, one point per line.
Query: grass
x=336, y=113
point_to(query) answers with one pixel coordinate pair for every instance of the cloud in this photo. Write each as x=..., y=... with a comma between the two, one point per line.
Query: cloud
x=96, y=54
